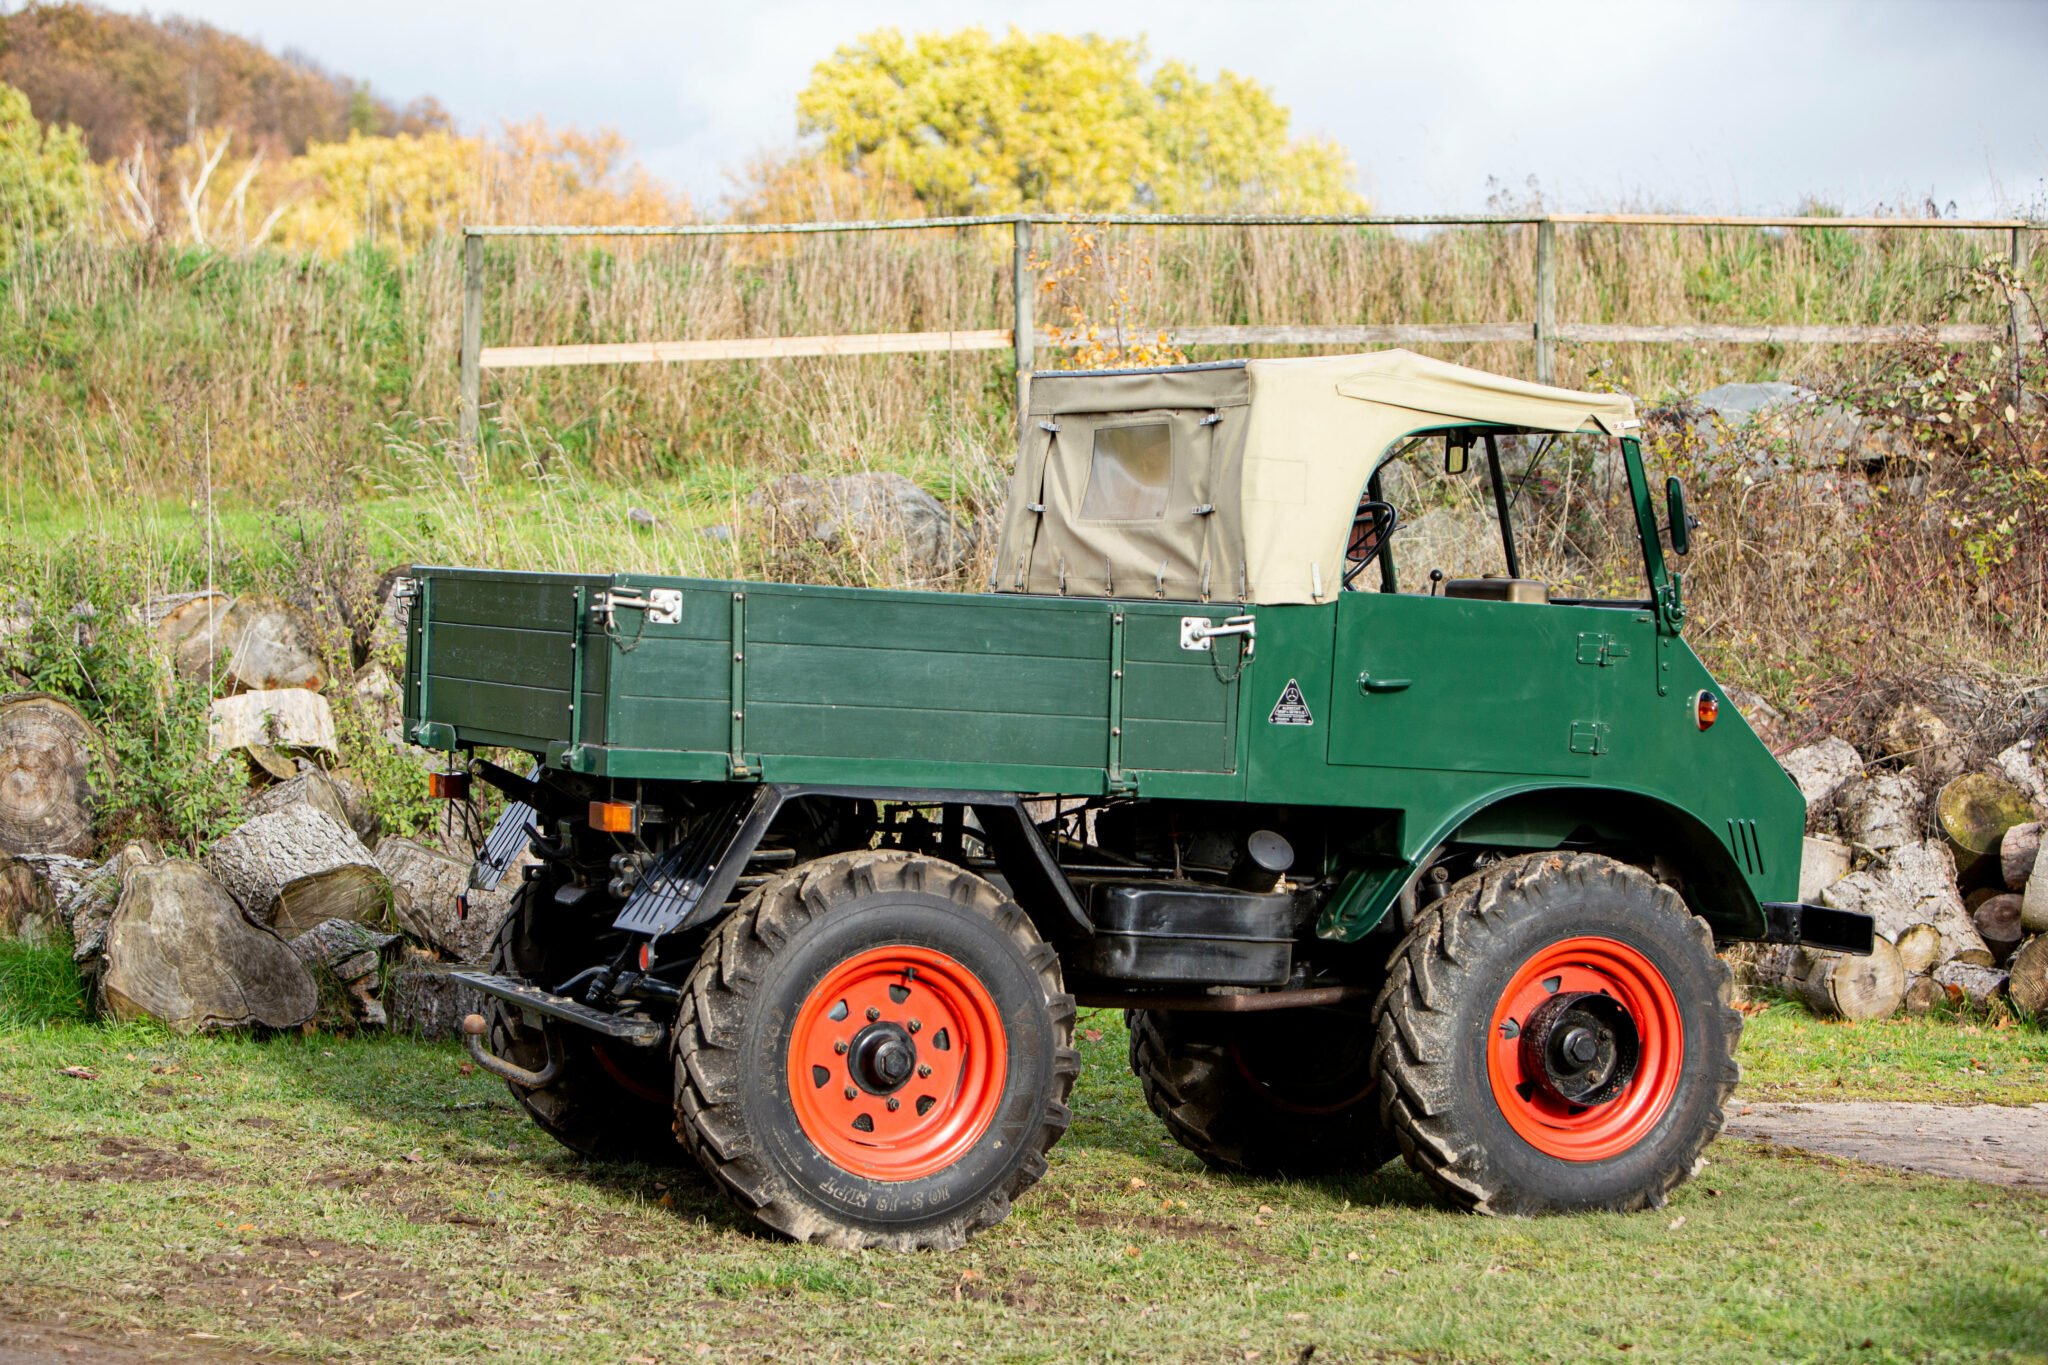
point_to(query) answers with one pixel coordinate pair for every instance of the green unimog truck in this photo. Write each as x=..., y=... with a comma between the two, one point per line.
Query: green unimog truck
x=820, y=875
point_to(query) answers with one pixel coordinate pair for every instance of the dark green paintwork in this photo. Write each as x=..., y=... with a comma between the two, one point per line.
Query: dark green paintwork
x=1519, y=724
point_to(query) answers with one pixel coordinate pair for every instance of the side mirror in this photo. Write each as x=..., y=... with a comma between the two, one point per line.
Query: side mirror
x=1681, y=525
x=1457, y=453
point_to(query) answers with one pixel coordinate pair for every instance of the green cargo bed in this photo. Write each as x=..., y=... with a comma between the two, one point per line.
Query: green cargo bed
x=820, y=684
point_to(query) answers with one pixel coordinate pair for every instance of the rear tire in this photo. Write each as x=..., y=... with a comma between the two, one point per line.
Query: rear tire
x=608, y=1102
x=1556, y=1034
x=1286, y=1092
x=875, y=1050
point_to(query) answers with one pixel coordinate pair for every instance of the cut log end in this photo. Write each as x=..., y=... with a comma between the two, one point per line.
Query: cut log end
x=181, y=952
x=46, y=752
x=1998, y=924
x=1974, y=812
x=1922, y=996
x=2017, y=852
x=2027, y=978
x=1919, y=948
x=1839, y=986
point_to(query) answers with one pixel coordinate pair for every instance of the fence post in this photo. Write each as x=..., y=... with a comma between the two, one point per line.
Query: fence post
x=1546, y=302
x=468, y=426
x=2019, y=304
x=1023, y=322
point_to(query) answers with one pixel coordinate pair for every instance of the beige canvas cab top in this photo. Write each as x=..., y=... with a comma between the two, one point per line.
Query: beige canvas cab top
x=1236, y=481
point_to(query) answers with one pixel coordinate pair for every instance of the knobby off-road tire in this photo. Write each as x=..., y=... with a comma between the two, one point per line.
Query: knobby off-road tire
x=609, y=1102
x=1285, y=1092
x=1540, y=942
x=857, y=980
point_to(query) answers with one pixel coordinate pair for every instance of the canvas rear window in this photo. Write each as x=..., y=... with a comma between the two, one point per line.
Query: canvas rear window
x=1129, y=473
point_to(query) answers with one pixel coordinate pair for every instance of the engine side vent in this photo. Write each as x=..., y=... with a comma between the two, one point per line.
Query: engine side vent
x=1747, y=847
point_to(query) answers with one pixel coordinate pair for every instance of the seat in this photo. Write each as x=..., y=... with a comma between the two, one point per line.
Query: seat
x=1498, y=588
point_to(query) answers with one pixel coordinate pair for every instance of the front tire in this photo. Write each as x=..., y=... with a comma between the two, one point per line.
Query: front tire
x=875, y=1050
x=1556, y=1034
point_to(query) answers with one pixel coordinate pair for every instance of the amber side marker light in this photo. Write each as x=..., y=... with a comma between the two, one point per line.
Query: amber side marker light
x=1706, y=709
x=448, y=786
x=615, y=817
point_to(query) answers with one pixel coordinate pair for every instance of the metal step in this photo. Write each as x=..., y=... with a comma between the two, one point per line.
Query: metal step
x=633, y=1030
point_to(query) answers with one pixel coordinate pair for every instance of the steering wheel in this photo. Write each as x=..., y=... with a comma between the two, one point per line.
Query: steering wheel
x=1371, y=529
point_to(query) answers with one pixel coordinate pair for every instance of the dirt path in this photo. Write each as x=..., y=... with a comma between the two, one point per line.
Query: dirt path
x=1998, y=1144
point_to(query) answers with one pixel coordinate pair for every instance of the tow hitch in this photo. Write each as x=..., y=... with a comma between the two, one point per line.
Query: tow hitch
x=473, y=1030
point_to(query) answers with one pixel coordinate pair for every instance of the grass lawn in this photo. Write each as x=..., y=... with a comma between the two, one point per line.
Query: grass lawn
x=362, y=1198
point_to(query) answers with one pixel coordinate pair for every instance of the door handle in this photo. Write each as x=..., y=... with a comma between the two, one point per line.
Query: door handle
x=1368, y=683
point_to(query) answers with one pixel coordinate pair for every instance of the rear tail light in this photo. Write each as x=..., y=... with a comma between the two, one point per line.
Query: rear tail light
x=1706, y=709
x=448, y=786
x=615, y=817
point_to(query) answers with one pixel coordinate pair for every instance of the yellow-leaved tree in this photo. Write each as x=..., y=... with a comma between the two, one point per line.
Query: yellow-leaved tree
x=42, y=174
x=977, y=124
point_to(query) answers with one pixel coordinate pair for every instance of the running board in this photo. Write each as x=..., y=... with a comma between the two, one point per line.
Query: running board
x=628, y=1029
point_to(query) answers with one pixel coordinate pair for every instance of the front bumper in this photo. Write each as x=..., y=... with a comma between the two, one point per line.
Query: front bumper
x=1818, y=926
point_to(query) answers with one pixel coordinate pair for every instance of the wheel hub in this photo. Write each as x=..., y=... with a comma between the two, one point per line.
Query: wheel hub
x=1586, y=1048
x=881, y=1058
x=1581, y=1047
x=897, y=1061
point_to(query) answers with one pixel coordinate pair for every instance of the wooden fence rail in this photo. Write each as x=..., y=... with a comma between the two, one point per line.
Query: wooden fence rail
x=1544, y=332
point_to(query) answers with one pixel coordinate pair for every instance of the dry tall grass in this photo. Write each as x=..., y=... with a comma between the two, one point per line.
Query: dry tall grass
x=160, y=371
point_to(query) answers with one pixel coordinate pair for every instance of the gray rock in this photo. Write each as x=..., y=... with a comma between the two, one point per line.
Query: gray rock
x=873, y=510
x=1738, y=403
x=1761, y=431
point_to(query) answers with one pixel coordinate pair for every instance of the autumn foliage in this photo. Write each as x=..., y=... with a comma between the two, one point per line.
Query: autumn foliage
x=976, y=124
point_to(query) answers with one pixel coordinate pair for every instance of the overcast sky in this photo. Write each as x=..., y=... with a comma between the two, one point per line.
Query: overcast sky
x=1708, y=105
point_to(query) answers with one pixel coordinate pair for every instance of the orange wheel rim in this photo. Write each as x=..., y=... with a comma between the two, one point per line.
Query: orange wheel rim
x=896, y=1063
x=1585, y=1049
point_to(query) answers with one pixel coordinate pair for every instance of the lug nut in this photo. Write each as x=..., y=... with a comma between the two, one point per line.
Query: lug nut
x=851, y=1093
x=840, y=1047
x=894, y=1104
x=924, y=1070
x=873, y=1014
x=914, y=1026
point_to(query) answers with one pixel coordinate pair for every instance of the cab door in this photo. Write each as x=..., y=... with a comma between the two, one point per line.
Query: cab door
x=1452, y=684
